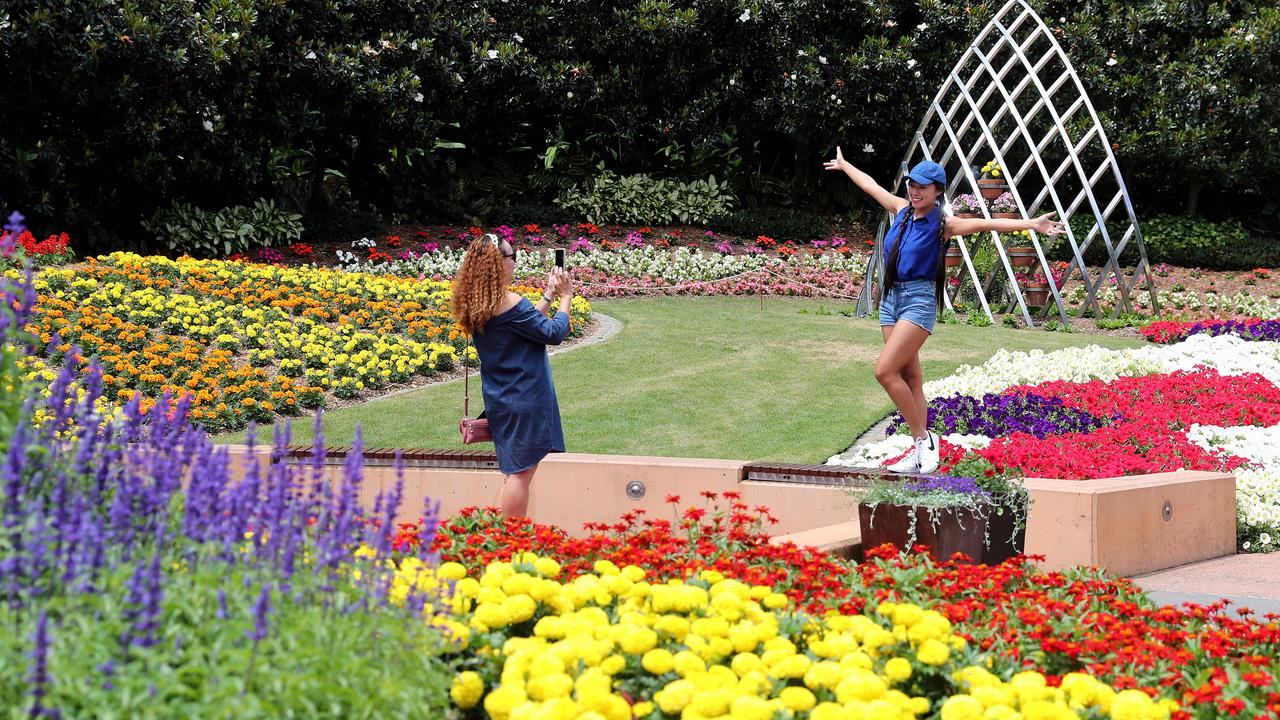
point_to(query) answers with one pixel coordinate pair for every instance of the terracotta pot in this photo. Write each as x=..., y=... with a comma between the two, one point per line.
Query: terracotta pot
x=1036, y=295
x=992, y=188
x=1022, y=256
x=1004, y=542
x=1007, y=216
x=968, y=215
x=958, y=529
x=954, y=258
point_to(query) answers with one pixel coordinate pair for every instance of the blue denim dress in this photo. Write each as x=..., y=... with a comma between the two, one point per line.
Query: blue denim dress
x=519, y=397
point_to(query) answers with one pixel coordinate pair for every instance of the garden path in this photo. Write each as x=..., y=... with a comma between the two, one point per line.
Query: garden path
x=1248, y=580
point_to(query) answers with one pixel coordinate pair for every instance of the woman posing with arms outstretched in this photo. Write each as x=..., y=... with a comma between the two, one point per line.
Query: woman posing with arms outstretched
x=912, y=286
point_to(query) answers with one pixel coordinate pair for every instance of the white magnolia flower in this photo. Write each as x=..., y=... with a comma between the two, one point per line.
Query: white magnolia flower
x=493, y=54
x=745, y=16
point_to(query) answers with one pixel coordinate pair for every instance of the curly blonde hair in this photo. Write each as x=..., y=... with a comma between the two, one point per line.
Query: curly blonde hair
x=480, y=285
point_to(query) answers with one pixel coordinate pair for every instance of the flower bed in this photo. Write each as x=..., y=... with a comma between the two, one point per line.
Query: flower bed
x=142, y=575
x=245, y=342
x=658, y=582
x=647, y=269
x=1204, y=403
x=1165, y=332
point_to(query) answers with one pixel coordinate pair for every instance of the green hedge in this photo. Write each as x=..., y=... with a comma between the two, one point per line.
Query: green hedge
x=427, y=109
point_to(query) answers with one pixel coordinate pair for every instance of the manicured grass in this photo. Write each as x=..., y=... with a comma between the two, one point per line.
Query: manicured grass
x=715, y=377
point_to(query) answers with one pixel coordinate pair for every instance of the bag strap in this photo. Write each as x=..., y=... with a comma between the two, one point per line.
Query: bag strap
x=466, y=382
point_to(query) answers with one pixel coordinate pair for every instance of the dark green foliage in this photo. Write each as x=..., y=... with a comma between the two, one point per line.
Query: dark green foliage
x=779, y=223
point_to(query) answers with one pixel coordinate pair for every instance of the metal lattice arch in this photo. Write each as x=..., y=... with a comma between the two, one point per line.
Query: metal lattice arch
x=1015, y=98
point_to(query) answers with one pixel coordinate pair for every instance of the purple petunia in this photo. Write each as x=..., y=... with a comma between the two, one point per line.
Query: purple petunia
x=995, y=415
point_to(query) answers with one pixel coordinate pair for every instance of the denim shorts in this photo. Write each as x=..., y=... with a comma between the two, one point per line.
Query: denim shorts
x=914, y=300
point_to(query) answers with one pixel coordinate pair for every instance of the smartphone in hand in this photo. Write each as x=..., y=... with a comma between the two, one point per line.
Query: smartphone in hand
x=560, y=257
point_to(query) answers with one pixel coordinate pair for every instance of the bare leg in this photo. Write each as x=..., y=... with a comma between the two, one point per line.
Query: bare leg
x=913, y=376
x=514, y=496
x=902, y=349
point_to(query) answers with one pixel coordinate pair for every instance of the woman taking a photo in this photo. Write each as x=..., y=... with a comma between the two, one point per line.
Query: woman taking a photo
x=912, y=285
x=511, y=336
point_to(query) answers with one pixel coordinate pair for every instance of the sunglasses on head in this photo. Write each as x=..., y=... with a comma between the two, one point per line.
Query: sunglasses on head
x=498, y=244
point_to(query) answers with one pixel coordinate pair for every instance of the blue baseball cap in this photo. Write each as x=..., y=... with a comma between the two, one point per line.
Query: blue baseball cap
x=926, y=172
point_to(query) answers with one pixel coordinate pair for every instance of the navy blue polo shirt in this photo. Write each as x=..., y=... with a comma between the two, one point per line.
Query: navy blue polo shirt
x=918, y=256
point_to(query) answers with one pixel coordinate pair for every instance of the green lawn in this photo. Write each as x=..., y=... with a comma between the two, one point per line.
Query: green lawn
x=714, y=377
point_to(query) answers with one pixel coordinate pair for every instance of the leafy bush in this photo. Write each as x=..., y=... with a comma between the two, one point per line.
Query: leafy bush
x=188, y=230
x=1200, y=242
x=779, y=223
x=642, y=199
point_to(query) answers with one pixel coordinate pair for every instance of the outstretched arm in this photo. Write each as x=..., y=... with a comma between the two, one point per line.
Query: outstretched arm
x=1044, y=225
x=866, y=184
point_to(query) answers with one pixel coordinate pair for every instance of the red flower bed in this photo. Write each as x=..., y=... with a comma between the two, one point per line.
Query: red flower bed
x=1150, y=414
x=1127, y=448
x=730, y=540
x=1173, y=401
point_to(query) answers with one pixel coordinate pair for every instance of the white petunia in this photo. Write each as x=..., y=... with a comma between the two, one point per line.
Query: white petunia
x=1111, y=61
x=311, y=55
x=208, y=125
x=911, y=63
x=418, y=97
x=745, y=16
x=493, y=54
x=922, y=27
x=868, y=148
x=822, y=60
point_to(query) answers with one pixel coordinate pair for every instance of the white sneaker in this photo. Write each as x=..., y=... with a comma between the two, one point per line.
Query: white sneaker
x=910, y=463
x=930, y=452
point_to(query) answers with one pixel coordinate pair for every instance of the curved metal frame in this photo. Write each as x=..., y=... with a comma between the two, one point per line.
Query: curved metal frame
x=980, y=78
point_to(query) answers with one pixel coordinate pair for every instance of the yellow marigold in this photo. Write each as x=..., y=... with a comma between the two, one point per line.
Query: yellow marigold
x=658, y=661
x=749, y=707
x=467, y=689
x=897, y=669
x=962, y=707
x=501, y=701
x=798, y=699
x=451, y=571
x=933, y=652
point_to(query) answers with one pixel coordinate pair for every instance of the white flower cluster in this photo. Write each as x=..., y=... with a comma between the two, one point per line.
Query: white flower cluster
x=1078, y=364
x=1177, y=301
x=679, y=265
x=1257, y=488
x=1227, y=354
